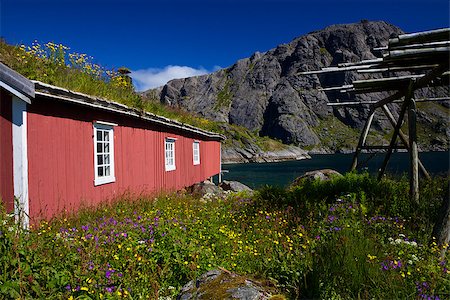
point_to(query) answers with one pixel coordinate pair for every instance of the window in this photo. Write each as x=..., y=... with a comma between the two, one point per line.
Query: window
x=170, y=154
x=196, y=152
x=103, y=153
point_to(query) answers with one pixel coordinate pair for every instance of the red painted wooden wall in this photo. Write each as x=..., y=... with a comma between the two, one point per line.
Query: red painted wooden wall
x=6, y=151
x=61, y=158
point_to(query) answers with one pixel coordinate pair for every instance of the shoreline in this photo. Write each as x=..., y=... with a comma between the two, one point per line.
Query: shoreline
x=272, y=159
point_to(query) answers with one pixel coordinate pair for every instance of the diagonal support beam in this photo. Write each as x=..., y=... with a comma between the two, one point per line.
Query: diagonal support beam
x=404, y=138
x=362, y=139
x=408, y=97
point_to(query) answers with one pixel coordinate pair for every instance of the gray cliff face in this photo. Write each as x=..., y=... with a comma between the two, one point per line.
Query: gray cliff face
x=264, y=93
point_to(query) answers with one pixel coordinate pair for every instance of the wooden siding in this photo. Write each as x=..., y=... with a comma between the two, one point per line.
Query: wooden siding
x=61, y=158
x=6, y=151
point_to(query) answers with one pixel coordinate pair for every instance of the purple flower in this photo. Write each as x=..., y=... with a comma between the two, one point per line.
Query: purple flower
x=109, y=273
x=85, y=227
x=68, y=287
x=267, y=217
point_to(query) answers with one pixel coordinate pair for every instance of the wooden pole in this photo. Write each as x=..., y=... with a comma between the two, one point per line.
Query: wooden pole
x=397, y=128
x=414, y=155
x=404, y=138
x=362, y=139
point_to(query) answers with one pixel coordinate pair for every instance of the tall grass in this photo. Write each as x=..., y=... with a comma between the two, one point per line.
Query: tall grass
x=340, y=243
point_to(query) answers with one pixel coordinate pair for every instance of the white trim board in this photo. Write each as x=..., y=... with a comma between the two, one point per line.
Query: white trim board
x=20, y=160
x=14, y=92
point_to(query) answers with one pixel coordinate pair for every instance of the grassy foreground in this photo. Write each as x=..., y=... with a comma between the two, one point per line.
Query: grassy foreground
x=348, y=238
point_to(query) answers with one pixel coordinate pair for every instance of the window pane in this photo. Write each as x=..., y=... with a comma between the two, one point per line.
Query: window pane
x=106, y=148
x=100, y=171
x=99, y=159
x=99, y=148
x=106, y=159
x=106, y=134
x=99, y=135
x=107, y=172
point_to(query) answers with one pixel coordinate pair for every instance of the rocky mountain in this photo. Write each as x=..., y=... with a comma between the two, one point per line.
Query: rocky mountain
x=265, y=94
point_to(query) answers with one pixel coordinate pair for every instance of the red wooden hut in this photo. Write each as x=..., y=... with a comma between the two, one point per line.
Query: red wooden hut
x=60, y=149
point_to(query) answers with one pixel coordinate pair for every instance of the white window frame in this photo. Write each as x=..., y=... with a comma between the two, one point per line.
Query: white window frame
x=196, y=152
x=104, y=127
x=169, y=154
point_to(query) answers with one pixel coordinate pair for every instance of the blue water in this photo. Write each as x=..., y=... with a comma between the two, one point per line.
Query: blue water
x=282, y=174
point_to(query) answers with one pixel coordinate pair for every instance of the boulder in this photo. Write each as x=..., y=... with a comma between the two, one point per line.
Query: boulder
x=222, y=284
x=324, y=174
x=204, y=188
x=234, y=186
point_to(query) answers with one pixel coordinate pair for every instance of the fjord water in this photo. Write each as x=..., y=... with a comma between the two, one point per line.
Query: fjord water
x=282, y=174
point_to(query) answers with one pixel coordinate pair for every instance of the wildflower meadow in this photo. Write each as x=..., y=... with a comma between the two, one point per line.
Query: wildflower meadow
x=339, y=245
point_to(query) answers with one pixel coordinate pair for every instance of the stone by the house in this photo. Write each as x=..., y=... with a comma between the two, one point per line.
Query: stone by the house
x=204, y=188
x=234, y=186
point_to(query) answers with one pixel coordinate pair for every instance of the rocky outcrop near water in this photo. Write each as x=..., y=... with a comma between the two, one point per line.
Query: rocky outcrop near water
x=245, y=154
x=265, y=94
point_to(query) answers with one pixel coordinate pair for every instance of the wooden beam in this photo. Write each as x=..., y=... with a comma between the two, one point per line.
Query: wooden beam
x=381, y=147
x=414, y=155
x=419, y=45
x=421, y=37
x=335, y=69
x=397, y=69
x=408, y=96
x=336, y=88
x=403, y=137
x=408, y=53
x=354, y=103
x=362, y=139
x=360, y=63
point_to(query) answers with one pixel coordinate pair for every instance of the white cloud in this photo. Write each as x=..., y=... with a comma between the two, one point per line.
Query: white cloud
x=154, y=77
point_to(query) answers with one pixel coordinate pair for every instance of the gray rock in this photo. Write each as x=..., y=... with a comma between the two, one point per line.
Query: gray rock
x=218, y=284
x=234, y=186
x=324, y=174
x=264, y=93
x=204, y=188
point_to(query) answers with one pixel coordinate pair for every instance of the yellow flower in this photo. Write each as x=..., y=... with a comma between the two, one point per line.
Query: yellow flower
x=371, y=257
x=84, y=288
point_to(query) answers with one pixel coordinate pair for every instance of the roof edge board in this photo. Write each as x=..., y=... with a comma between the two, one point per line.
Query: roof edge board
x=16, y=83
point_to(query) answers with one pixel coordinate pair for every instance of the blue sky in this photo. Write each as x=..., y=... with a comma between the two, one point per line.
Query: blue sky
x=160, y=40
